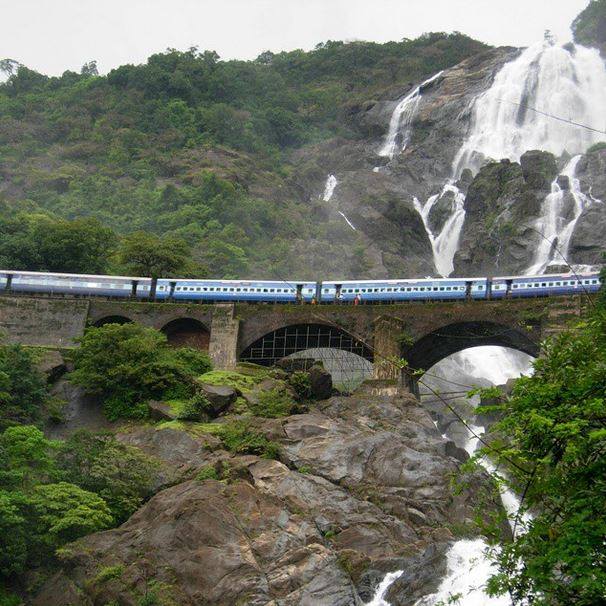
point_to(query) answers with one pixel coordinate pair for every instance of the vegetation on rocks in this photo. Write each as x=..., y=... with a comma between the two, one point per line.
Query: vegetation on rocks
x=589, y=28
x=129, y=364
x=23, y=391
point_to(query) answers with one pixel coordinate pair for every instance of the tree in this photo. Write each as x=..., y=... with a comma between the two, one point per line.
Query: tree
x=42, y=243
x=23, y=391
x=90, y=69
x=120, y=474
x=555, y=431
x=589, y=28
x=64, y=512
x=128, y=364
x=145, y=254
x=25, y=457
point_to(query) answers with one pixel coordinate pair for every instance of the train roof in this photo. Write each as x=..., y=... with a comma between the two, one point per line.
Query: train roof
x=402, y=280
x=63, y=275
x=564, y=276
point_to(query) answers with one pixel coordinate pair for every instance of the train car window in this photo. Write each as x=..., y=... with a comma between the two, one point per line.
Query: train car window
x=558, y=284
x=514, y=286
x=543, y=284
x=480, y=287
x=422, y=289
x=594, y=281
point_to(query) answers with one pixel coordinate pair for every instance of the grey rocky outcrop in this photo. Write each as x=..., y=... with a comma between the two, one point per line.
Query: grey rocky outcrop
x=362, y=487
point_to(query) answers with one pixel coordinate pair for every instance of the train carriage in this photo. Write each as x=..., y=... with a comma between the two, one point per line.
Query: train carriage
x=237, y=290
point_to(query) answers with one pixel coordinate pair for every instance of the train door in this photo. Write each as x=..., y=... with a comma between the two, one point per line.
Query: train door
x=9, y=282
x=133, y=289
x=508, y=288
x=338, y=293
x=318, y=291
x=489, y=288
x=468, y=284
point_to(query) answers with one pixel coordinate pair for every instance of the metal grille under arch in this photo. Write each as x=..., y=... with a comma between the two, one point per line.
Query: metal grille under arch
x=289, y=340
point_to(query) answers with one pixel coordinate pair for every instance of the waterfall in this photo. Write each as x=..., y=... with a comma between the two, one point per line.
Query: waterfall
x=444, y=245
x=468, y=567
x=564, y=84
x=556, y=223
x=400, y=124
x=329, y=190
x=567, y=82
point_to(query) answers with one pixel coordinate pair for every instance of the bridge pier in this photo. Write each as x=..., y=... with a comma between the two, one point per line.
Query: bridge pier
x=224, y=332
x=387, y=349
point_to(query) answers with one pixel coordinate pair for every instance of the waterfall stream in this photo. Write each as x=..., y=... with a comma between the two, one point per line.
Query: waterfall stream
x=557, y=221
x=329, y=190
x=444, y=245
x=400, y=124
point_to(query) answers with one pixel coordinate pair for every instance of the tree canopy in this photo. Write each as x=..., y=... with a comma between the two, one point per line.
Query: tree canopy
x=554, y=429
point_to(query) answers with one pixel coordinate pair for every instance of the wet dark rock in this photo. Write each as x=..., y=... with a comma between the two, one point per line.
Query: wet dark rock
x=320, y=383
x=220, y=397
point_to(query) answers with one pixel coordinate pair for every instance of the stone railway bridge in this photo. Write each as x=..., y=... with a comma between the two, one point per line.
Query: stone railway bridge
x=421, y=333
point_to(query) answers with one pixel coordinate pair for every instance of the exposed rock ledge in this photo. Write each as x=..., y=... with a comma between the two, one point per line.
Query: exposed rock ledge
x=363, y=488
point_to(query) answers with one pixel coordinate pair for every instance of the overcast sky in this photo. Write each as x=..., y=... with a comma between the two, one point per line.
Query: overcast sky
x=54, y=35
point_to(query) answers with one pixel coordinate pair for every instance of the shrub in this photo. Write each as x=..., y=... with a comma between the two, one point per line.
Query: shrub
x=23, y=391
x=109, y=573
x=208, y=472
x=121, y=474
x=128, y=364
x=597, y=147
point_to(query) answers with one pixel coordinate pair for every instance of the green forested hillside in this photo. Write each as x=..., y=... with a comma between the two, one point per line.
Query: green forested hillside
x=190, y=146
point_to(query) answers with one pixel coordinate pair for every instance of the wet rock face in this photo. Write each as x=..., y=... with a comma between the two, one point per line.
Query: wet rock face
x=362, y=488
x=502, y=204
x=375, y=193
x=587, y=244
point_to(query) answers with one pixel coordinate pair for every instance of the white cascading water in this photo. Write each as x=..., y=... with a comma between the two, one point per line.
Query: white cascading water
x=556, y=223
x=468, y=567
x=444, y=245
x=568, y=83
x=400, y=124
x=329, y=190
x=379, y=597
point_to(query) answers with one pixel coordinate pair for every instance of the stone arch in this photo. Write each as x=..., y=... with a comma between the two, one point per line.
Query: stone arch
x=291, y=339
x=115, y=319
x=187, y=332
x=452, y=338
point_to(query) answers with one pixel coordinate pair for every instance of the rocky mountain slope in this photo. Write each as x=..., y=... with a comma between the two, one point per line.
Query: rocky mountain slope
x=353, y=160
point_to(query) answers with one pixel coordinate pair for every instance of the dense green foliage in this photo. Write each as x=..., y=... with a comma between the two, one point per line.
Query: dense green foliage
x=190, y=146
x=121, y=475
x=39, y=242
x=589, y=28
x=39, y=511
x=129, y=364
x=555, y=425
x=23, y=391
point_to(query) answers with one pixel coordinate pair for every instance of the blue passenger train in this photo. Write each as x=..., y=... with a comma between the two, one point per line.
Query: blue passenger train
x=298, y=291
